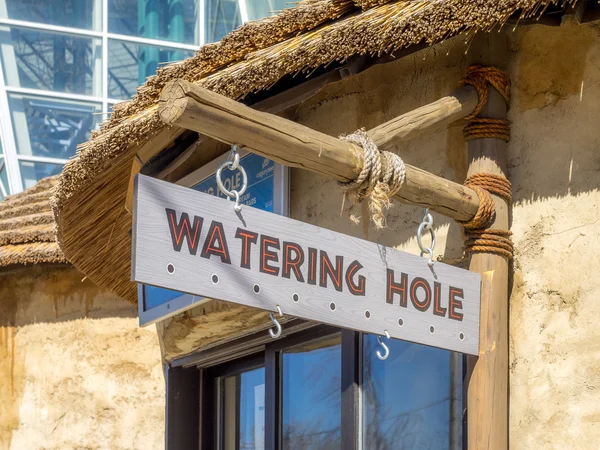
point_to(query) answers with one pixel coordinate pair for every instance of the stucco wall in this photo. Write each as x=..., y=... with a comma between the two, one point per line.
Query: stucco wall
x=554, y=165
x=76, y=371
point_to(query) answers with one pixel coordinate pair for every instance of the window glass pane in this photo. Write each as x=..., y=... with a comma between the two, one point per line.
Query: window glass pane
x=244, y=411
x=32, y=172
x=51, y=61
x=4, y=191
x=67, y=13
x=130, y=64
x=171, y=20
x=412, y=399
x=311, y=396
x=258, y=9
x=222, y=17
x=50, y=127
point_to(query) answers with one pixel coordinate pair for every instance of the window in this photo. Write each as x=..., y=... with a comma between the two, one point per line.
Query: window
x=321, y=388
x=67, y=13
x=173, y=20
x=129, y=65
x=65, y=63
x=54, y=62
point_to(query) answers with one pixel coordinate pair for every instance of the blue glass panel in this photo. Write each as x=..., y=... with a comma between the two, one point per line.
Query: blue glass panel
x=67, y=13
x=261, y=182
x=244, y=411
x=171, y=20
x=4, y=191
x=407, y=398
x=32, y=172
x=130, y=64
x=311, y=396
x=51, y=61
x=222, y=17
x=157, y=296
x=50, y=127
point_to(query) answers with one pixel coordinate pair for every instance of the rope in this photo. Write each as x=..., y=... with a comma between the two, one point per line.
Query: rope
x=496, y=184
x=497, y=242
x=486, y=212
x=382, y=176
x=480, y=128
x=481, y=77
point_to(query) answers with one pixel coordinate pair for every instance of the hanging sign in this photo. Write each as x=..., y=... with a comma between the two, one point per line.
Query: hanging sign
x=196, y=243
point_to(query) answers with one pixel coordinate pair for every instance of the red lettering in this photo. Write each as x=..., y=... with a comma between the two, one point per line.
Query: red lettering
x=183, y=231
x=267, y=255
x=454, y=303
x=292, y=263
x=424, y=285
x=248, y=238
x=396, y=288
x=216, y=243
x=355, y=289
x=437, y=294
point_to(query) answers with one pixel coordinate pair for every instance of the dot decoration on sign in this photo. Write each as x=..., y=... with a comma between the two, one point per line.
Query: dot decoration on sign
x=400, y=322
x=256, y=288
x=431, y=329
x=215, y=278
x=170, y=268
x=296, y=298
x=461, y=336
x=332, y=306
x=368, y=314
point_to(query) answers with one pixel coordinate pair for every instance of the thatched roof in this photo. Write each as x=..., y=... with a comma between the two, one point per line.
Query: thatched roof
x=27, y=232
x=93, y=225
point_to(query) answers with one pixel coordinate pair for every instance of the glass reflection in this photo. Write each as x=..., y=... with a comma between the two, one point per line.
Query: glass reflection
x=32, y=172
x=244, y=411
x=311, y=395
x=50, y=61
x=130, y=64
x=3, y=180
x=50, y=127
x=171, y=20
x=85, y=14
x=222, y=17
x=412, y=399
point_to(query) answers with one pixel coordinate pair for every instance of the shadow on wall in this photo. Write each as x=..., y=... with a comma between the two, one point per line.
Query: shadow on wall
x=555, y=139
x=54, y=293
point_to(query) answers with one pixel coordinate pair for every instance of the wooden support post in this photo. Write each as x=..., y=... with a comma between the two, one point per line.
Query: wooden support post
x=187, y=105
x=487, y=398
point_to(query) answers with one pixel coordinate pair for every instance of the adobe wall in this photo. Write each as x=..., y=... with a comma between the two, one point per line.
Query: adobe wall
x=554, y=165
x=76, y=370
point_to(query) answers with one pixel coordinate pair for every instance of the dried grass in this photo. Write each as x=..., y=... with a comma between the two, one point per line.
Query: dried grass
x=27, y=230
x=89, y=200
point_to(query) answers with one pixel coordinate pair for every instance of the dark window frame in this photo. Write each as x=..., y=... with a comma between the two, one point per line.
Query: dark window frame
x=264, y=352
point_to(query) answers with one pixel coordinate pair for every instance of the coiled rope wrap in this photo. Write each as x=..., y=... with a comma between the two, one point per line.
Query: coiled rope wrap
x=479, y=238
x=382, y=175
x=480, y=77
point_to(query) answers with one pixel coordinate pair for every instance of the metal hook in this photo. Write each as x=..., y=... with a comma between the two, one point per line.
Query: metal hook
x=385, y=347
x=276, y=334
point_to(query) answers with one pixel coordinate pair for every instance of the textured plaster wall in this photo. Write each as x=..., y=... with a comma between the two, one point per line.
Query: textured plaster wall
x=76, y=371
x=554, y=165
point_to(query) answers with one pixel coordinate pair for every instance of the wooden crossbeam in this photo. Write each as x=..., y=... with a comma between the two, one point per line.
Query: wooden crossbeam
x=189, y=106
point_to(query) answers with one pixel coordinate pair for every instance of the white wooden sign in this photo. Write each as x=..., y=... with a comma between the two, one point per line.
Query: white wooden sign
x=196, y=243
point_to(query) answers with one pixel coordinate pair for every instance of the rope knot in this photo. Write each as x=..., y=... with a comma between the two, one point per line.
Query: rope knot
x=382, y=175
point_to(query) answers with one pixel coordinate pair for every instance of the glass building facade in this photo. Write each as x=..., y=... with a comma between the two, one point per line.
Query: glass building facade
x=65, y=63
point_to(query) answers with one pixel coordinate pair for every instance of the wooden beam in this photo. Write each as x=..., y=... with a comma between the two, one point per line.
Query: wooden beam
x=487, y=397
x=189, y=106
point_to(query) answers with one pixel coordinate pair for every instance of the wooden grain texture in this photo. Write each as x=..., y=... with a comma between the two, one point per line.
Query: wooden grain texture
x=153, y=251
x=487, y=397
x=442, y=112
x=189, y=106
